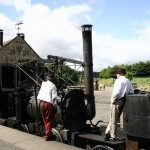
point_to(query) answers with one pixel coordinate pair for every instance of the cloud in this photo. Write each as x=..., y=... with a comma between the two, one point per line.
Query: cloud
x=7, y=26
x=111, y=51
x=6, y=2
x=19, y=5
x=57, y=32
x=54, y=31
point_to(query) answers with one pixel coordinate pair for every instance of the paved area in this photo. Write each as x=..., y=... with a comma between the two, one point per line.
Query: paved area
x=102, y=104
x=15, y=140
x=8, y=146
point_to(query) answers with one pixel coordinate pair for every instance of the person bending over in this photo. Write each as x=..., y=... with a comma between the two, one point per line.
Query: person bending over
x=47, y=96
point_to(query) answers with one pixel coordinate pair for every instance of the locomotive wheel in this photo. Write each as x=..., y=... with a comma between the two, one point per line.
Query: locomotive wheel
x=58, y=136
x=22, y=127
x=102, y=147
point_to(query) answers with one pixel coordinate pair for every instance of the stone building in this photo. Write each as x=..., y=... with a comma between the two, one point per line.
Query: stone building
x=12, y=53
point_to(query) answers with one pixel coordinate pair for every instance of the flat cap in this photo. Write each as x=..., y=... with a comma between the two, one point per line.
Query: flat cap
x=121, y=71
x=50, y=76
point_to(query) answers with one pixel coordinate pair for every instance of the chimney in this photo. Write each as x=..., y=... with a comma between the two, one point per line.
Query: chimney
x=88, y=69
x=1, y=38
x=21, y=35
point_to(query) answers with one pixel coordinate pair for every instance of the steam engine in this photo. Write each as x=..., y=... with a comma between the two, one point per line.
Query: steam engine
x=21, y=74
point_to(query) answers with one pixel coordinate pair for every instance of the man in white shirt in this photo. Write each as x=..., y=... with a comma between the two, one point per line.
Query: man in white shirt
x=47, y=96
x=122, y=87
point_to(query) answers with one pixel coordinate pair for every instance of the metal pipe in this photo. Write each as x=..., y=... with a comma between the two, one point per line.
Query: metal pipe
x=28, y=75
x=1, y=38
x=88, y=70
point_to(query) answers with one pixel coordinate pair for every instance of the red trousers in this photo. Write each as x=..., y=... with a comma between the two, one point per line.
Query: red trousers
x=48, y=117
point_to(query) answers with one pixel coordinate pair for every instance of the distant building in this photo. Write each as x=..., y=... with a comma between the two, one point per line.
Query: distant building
x=13, y=52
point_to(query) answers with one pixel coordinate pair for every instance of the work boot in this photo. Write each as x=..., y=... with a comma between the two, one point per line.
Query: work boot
x=51, y=138
x=107, y=137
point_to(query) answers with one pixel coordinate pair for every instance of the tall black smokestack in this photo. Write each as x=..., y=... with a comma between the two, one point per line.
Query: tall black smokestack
x=88, y=70
x=1, y=38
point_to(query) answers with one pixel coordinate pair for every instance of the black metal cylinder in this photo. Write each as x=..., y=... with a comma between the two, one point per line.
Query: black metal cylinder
x=1, y=38
x=88, y=70
x=21, y=112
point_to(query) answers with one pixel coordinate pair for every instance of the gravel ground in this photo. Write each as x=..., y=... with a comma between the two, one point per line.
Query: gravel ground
x=102, y=104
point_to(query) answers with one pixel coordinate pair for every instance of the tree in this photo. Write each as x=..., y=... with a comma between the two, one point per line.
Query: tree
x=64, y=74
x=140, y=69
x=129, y=75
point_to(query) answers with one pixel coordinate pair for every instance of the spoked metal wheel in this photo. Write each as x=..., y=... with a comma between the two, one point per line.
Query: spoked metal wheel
x=22, y=127
x=102, y=147
x=58, y=136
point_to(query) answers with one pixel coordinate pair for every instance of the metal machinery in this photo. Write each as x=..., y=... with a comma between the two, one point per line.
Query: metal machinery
x=20, y=83
x=137, y=121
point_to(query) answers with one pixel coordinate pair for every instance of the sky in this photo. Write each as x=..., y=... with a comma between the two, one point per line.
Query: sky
x=120, y=28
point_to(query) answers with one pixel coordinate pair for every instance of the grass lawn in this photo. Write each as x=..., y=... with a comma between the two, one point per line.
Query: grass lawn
x=142, y=83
